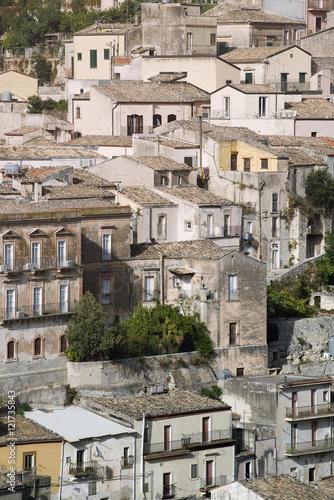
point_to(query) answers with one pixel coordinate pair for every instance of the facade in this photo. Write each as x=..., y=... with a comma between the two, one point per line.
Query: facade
x=97, y=453
x=290, y=431
x=205, y=72
x=51, y=253
x=177, y=150
x=252, y=27
x=146, y=171
x=226, y=288
x=183, y=446
x=21, y=86
x=126, y=108
x=314, y=118
x=287, y=69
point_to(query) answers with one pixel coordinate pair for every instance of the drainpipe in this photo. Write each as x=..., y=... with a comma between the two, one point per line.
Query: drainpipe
x=134, y=467
x=260, y=220
x=162, y=279
x=142, y=460
x=61, y=470
x=112, y=119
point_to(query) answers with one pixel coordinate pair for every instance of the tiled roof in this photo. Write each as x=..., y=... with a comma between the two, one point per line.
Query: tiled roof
x=249, y=88
x=254, y=54
x=45, y=153
x=160, y=163
x=320, y=63
x=197, y=249
x=133, y=91
x=196, y=195
x=40, y=175
x=167, y=141
x=42, y=142
x=168, y=77
x=43, y=207
x=122, y=61
x=297, y=158
x=103, y=29
x=174, y=402
x=283, y=488
x=25, y=430
x=75, y=191
x=313, y=108
x=84, y=96
x=89, y=179
x=101, y=140
x=23, y=130
x=255, y=16
x=319, y=145
x=326, y=485
x=145, y=196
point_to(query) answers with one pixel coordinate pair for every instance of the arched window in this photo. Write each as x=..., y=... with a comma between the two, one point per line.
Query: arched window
x=135, y=124
x=171, y=118
x=157, y=121
x=38, y=347
x=162, y=226
x=62, y=344
x=11, y=349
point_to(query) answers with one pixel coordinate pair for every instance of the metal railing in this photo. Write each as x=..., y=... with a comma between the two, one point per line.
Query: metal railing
x=320, y=4
x=215, y=481
x=26, y=311
x=85, y=469
x=290, y=86
x=14, y=265
x=306, y=411
x=168, y=491
x=187, y=440
x=127, y=462
x=220, y=231
x=307, y=447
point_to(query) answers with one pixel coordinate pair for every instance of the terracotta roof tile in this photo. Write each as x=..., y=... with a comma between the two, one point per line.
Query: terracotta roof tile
x=201, y=249
x=122, y=61
x=254, y=16
x=101, y=140
x=160, y=163
x=313, y=108
x=168, y=141
x=195, y=195
x=145, y=196
x=253, y=54
x=25, y=430
x=45, y=153
x=283, y=488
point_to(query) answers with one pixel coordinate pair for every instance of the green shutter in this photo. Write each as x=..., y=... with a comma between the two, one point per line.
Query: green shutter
x=93, y=58
x=79, y=56
x=106, y=54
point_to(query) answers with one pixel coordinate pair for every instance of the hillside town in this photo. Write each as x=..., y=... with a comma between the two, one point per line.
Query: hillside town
x=167, y=250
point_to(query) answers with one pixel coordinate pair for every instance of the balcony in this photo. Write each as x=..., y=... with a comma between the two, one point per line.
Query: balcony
x=168, y=491
x=17, y=265
x=320, y=5
x=309, y=447
x=188, y=441
x=127, y=462
x=220, y=232
x=207, y=484
x=91, y=468
x=33, y=311
x=291, y=86
x=309, y=412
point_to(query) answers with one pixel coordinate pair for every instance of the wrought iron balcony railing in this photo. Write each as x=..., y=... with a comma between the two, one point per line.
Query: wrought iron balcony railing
x=325, y=409
x=25, y=311
x=187, y=441
x=127, y=462
x=91, y=468
x=309, y=447
x=14, y=265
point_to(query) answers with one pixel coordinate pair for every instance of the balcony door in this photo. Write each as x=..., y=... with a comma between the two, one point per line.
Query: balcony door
x=314, y=432
x=294, y=403
x=36, y=254
x=80, y=460
x=167, y=485
x=9, y=255
x=63, y=298
x=313, y=400
x=209, y=472
x=61, y=253
x=205, y=429
x=167, y=438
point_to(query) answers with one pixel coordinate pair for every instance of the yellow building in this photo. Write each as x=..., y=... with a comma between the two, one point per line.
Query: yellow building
x=30, y=449
x=20, y=85
x=242, y=157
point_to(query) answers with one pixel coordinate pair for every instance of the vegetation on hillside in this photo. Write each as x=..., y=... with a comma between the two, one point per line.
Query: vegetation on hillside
x=36, y=105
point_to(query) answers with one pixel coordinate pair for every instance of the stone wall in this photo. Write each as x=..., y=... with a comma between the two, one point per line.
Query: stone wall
x=318, y=43
x=298, y=340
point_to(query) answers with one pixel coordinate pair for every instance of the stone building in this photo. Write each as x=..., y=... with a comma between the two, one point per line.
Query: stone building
x=51, y=253
x=227, y=289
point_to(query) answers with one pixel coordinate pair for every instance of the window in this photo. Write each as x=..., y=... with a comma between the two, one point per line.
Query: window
x=311, y=474
x=37, y=346
x=171, y=118
x=246, y=164
x=37, y=300
x=167, y=485
x=106, y=291
x=78, y=112
x=135, y=124
x=189, y=42
x=318, y=24
x=274, y=227
x=294, y=429
x=80, y=457
x=63, y=298
x=35, y=255
x=314, y=134
x=167, y=438
x=284, y=82
x=209, y=473
x=28, y=461
x=232, y=333
x=93, y=58
x=205, y=429
x=264, y=163
x=11, y=349
x=92, y=488
x=227, y=107
x=188, y=225
x=9, y=255
x=319, y=82
x=325, y=396
x=10, y=303
x=262, y=106
x=188, y=160
x=302, y=77
x=234, y=161
x=179, y=180
x=149, y=288
x=274, y=202
x=157, y=121
x=240, y=372
x=227, y=228
x=249, y=78
x=232, y=287
x=106, y=246
x=275, y=356
x=209, y=224
x=249, y=227
x=194, y=471
x=164, y=180
x=106, y=54
x=228, y=82
x=151, y=52
x=79, y=56
x=62, y=344
x=212, y=38
x=162, y=227
x=61, y=253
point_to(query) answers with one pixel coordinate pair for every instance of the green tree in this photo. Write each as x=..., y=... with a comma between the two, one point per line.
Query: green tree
x=89, y=336
x=42, y=69
x=164, y=329
x=214, y=392
x=35, y=105
x=319, y=189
